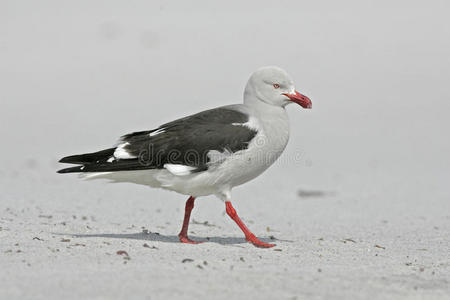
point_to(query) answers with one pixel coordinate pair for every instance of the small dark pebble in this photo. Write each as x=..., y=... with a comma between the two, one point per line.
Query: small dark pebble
x=319, y=270
x=200, y=267
x=122, y=252
x=205, y=262
x=147, y=246
x=348, y=240
x=65, y=240
x=272, y=237
x=277, y=250
x=187, y=260
x=38, y=239
x=381, y=247
x=46, y=216
x=242, y=259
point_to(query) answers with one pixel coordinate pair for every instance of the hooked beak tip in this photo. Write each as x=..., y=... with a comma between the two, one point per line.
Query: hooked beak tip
x=300, y=99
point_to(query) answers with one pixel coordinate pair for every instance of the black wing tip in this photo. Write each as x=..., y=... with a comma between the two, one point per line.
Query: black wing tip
x=66, y=159
x=76, y=169
x=88, y=158
x=75, y=159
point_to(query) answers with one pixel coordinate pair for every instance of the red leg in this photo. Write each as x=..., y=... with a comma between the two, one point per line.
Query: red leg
x=249, y=236
x=187, y=215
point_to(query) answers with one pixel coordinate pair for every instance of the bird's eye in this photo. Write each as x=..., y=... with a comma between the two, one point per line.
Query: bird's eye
x=276, y=85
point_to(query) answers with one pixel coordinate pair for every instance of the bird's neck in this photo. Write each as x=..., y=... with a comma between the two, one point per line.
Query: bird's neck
x=274, y=128
x=263, y=109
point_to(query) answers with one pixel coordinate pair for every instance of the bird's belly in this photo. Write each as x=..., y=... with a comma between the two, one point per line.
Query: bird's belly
x=259, y=158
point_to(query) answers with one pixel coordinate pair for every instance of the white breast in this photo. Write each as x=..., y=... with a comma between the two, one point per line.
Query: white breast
x=263, y=151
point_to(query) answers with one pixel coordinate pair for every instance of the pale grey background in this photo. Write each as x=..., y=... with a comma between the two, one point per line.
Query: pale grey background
x=76, y=75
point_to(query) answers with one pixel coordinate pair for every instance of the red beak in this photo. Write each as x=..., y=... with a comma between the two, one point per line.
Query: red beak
x=300, y=99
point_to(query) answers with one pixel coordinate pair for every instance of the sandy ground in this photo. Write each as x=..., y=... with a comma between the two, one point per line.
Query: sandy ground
x=333, y=246
x=358, y=205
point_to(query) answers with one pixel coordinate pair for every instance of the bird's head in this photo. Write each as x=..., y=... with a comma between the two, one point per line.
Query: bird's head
x=274, y=86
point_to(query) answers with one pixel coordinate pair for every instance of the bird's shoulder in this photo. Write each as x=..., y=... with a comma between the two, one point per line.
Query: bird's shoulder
x=211, y=119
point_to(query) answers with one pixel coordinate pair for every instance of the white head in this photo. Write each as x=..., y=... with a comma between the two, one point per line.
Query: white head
x=274, y=86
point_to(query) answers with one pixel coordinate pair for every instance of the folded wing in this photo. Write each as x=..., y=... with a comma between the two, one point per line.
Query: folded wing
x=183, y=146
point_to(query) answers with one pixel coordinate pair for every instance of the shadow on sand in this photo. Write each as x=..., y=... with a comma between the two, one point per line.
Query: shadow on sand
x=157, y=237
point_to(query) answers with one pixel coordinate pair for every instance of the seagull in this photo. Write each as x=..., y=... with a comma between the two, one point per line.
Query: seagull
x=208, y=153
